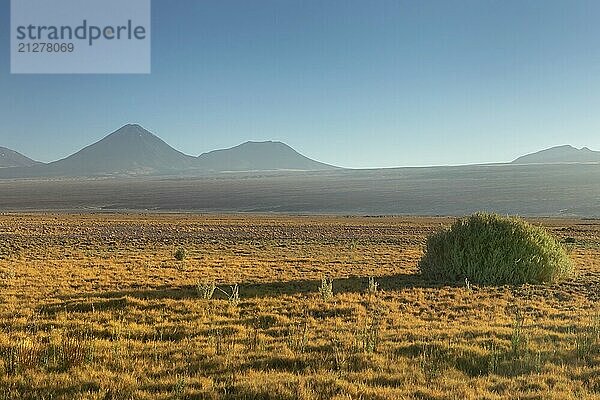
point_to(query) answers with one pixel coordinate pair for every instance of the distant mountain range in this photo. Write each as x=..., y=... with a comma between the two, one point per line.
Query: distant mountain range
x=10, y=158
x=132, y=150
x=560, y=154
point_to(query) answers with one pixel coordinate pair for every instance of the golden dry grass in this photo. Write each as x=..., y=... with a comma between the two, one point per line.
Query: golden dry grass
x=97, y=307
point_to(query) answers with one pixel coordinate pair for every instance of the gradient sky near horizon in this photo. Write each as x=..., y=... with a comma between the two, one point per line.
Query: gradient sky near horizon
x=353, y=83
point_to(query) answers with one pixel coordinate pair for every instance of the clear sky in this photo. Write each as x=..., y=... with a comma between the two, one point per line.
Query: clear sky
x=367, y=83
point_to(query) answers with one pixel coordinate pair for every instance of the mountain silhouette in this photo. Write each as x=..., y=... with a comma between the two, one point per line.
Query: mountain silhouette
x=129, y=150
x=560, y=154
x=10, y=158
x=132, y=150
x=258, y=156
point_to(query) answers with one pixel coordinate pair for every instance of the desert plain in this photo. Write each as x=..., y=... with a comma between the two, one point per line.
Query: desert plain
x=261, y=306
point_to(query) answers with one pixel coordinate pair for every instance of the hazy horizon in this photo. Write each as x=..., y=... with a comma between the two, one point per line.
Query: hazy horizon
x=353, y=84
x=308, y=155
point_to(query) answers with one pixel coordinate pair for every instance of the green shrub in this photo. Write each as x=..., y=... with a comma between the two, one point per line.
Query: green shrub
x=489, y=249
x=179, y=254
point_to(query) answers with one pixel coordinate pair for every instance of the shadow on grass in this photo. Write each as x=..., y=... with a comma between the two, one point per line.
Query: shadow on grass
x=267, y=289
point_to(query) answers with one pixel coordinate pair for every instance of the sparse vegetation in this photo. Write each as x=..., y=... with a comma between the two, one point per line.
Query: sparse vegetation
x=372, y=286
x=180, y=254
x=326, y=288
x=234, y=297
x=518, y=338
x=206, y=289
x=490, y=249
x=105, y=313
x=587, y=340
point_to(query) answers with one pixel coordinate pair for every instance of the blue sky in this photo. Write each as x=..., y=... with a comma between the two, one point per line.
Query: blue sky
x=353, y=83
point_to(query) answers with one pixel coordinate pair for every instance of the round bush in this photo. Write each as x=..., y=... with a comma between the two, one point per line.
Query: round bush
x=180, y=254
x=490, y=249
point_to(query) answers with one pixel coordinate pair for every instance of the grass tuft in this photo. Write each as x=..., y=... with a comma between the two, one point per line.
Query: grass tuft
x=326, y=288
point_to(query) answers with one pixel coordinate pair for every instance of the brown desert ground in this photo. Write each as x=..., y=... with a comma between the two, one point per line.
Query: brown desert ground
x=96, y=306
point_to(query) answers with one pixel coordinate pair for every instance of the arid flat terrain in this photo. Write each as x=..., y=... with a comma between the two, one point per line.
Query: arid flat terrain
x=565, y=190
x=95, y=306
